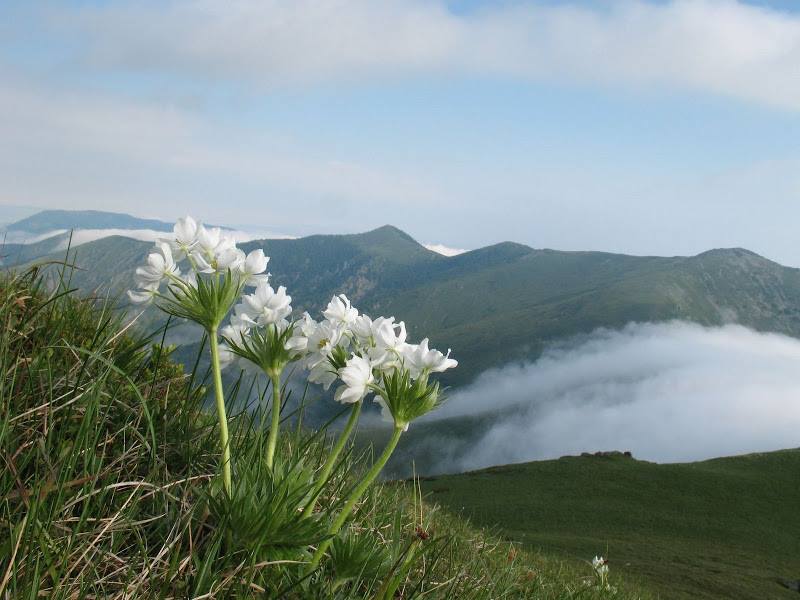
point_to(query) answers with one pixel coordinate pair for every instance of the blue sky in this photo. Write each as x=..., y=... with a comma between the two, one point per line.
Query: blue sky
x=631, y=126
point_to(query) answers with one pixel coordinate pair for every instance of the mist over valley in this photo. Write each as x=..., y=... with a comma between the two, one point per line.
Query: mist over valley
x=565, y=353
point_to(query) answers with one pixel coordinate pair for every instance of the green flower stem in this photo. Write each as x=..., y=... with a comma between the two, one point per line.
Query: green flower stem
x=332, y=457
x=355, y=496
x=223, y=417
x=272, y=440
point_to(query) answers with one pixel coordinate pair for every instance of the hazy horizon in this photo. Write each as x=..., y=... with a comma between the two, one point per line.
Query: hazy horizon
x=245, y=233
x=640, y=127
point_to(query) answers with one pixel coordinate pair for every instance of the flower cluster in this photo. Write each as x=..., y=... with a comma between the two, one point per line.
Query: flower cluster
x=365, y=355
x=362, y=353
x=600, y=566
x=259, y=333
x=208, y=251
x=217, y=274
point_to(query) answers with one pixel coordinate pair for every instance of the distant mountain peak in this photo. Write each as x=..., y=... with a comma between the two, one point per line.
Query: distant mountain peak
x=501, y=249
x=515, y=246
x=739, y=256
x=54, y=220
x=386, y=234
x=389, y=231
x=739, y=252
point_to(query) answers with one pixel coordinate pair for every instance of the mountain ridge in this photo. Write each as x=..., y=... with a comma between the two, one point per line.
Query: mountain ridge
x=503, y=302
x=114, y=220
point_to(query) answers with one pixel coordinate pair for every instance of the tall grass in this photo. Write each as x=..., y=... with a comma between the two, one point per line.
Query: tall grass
x=109, y=485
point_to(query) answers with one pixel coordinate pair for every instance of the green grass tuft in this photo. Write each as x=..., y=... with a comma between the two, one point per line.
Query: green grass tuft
x=109, y=485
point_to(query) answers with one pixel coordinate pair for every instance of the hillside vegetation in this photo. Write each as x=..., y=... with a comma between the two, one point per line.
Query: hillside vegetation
x=721, y=529
x=504, y=302
x=109, y=487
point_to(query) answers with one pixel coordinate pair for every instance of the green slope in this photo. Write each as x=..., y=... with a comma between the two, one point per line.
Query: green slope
x=108, y=488
x=723, y=528
x=509, y=309
x=504, y=302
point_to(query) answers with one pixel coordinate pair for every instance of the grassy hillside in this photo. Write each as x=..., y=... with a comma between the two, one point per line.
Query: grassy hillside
x=109, y=488
x=504, y=302
x=723, y=528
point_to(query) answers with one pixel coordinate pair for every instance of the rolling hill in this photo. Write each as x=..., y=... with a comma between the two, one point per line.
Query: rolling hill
x=717, y=529
x=504, y=302
x=714, y=529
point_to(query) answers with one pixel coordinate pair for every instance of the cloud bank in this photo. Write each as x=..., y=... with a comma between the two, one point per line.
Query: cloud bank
x=719, y=46
x=83, y=236
x=161, y=106
x=667, y=392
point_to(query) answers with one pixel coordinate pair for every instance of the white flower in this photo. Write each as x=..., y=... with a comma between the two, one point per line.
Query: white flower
x=389, y=335
x=208, y=239
x=324, y=338
x=339, y=310
x=159, y=266
x=362, y=330
x=144, y=295
x=267, y=306
x=201, y=265
x=356, y=376
x=419, y=358
x=185, y=231
x=231, y=258
x=253, y=268
x=390, y=343
x=322, y=373
x=215, y=252
x=306, y=325
x=297, y=344
x=600, y=565
x=302, y=329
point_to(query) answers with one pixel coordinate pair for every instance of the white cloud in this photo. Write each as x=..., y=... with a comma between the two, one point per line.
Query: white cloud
x=444, y=250
x=132, y=150
x=83, y=236
x=666, y=392
x=89, y=149
x=719, y=46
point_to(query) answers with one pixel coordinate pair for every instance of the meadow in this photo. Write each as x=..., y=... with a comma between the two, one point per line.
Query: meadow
x=111, y=484
x=722, y=528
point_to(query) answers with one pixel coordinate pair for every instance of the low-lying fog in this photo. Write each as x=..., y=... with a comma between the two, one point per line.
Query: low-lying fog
x=667, y=392
x=84, y=236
